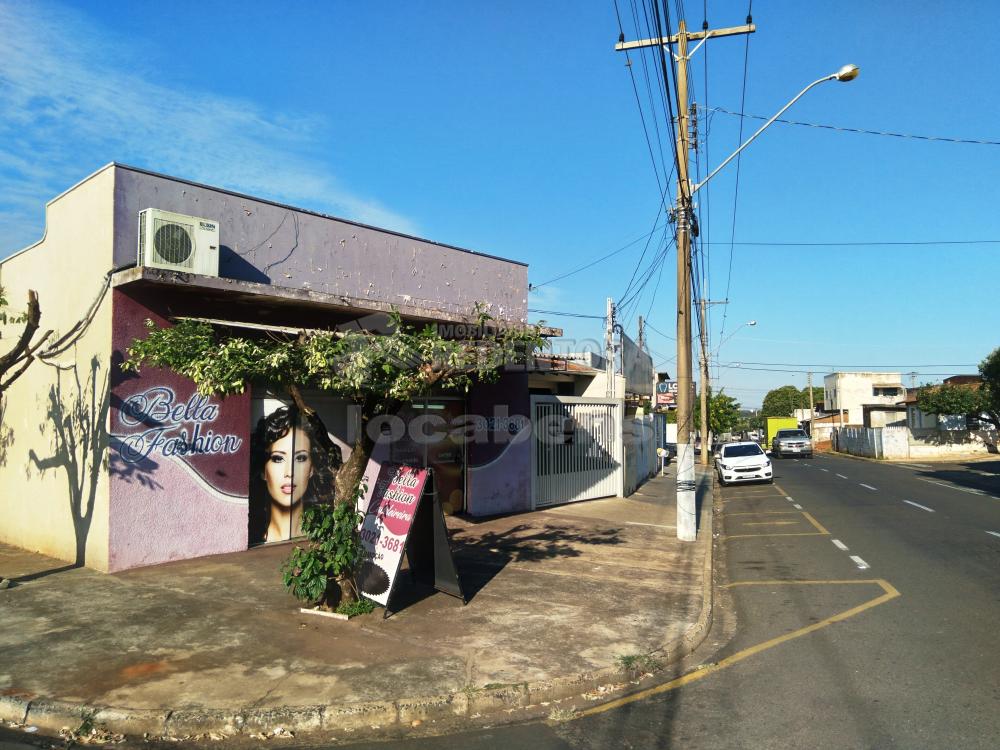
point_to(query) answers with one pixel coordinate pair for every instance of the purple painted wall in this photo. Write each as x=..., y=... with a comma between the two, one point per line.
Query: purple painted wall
x=179, y=463
x=270, y=243
x=499, y=456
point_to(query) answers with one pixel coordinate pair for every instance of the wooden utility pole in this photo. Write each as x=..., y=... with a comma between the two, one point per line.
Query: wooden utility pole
x=812, y=409
x=687, y=522
x=704, y=376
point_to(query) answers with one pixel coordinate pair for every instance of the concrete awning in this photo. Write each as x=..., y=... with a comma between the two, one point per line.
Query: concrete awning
x=283, y=307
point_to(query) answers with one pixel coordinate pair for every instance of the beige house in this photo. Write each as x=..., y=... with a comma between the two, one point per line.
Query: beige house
x=850, y=392
x=115, y=470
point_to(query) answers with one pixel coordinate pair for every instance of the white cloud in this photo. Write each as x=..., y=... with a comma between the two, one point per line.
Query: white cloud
x=73, y=99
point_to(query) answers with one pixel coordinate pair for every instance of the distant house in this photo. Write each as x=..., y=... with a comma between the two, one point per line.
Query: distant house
x=851, y=392
x=921, y=423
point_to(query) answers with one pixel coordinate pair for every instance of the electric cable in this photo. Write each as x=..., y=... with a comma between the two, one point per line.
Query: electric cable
x=736, y=189
x=863, y=131
x=584, y=267
x=566, y=314
x=873, y=243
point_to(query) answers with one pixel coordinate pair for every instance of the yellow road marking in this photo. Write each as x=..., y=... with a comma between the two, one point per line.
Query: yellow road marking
x=770, y=523
x=761, y=498
x=888, y=588
x=820, y=530
x=815, y=523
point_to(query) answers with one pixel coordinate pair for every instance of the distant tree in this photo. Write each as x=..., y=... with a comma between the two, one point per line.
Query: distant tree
x=723, y=413
x=782, y=402
x=981, y=400
x=818, y=395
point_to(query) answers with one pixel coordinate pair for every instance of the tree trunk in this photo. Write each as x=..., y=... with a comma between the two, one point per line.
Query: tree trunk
x=349, y=475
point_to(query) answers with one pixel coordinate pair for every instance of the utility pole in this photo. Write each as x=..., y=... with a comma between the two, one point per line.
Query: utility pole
x=812, y=409
x=609, y=348
x=704, y=375
x=687, y=522
x=642, y=334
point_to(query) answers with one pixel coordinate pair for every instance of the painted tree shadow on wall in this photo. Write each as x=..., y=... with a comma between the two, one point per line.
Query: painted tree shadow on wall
x=77, y=414
x=6, y=433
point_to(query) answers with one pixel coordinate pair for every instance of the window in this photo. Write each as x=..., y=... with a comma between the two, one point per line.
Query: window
x=737, y=451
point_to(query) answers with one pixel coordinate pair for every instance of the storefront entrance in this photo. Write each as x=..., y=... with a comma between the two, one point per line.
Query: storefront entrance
x=432, y=441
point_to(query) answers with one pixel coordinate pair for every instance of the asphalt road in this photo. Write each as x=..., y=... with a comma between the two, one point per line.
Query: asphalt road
x=865, y=602
x=860, y=609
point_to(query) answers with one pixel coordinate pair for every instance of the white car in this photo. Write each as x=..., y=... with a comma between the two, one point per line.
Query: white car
x=742, y=462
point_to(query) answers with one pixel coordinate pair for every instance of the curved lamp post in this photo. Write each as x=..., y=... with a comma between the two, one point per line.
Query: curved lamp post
x=846, y=73
x=686, y=523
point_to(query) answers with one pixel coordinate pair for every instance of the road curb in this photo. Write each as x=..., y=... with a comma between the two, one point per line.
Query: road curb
x=493, y=704
x=969, y=457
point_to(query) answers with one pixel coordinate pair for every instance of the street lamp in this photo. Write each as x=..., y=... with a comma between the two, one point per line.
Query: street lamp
x=686, y=504
x=846, y=73
x=748, y=324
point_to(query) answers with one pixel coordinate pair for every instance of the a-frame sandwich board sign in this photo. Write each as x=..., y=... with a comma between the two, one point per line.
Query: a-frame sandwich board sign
x=401, y=513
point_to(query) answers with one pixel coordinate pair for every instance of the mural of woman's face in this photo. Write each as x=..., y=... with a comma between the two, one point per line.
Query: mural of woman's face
x=289, y=467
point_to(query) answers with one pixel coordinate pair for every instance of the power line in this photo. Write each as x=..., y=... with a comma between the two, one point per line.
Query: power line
x=736, y=191
x=827, y=364
x=890, y=134
x=642, y=117
x=566, y=314
x=584, y=267
x=649, y=237
x=652, y=328
x=666, y=84
x=873, y=243
x=806, y=372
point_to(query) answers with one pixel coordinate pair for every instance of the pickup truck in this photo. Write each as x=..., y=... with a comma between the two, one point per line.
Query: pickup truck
x=791, y=443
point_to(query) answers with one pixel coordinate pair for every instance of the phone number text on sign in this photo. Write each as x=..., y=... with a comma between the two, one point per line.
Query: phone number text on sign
x=392, y=494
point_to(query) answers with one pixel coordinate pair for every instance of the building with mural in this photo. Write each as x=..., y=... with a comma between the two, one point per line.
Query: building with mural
x=115, y=470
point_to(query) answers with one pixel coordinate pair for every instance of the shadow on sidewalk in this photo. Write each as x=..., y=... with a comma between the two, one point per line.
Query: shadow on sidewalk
x=481, y=555
x=28, y=577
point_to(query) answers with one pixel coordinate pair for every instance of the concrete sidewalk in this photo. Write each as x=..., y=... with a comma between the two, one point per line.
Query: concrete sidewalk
x=556, y=598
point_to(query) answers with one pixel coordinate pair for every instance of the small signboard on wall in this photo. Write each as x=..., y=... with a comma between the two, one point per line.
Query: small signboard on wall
x=402, y=514
x=666, y=393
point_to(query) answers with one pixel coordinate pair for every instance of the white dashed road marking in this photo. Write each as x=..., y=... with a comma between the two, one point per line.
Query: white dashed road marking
x=822, y=469
x=797, y=506
x=839, y=545
x=993, y=533
x=918, y=505
x=862, y=565
x=869, y=487
x=953, y=487
x=841, y=476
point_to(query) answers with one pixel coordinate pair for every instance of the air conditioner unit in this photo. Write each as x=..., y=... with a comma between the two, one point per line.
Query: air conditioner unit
x=178, y=242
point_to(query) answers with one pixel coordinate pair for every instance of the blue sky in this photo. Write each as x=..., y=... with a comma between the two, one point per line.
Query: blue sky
x=512, y=128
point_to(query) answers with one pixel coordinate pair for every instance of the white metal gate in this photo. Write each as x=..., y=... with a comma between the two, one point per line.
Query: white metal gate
x=576, y=449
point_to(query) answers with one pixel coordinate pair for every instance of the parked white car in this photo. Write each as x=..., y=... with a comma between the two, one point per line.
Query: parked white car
x=742, y=462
